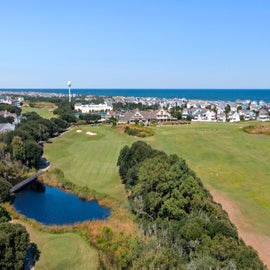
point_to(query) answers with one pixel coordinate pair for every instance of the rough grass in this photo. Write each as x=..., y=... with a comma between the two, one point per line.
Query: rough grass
x=257, y=129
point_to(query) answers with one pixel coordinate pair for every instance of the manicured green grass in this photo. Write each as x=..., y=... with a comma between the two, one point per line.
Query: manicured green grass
x=63, y=251
x=44, y=109
x=90, y=160
x=227, y=160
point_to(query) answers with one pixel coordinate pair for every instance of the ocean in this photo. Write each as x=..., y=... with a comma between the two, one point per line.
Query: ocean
x=197, y=94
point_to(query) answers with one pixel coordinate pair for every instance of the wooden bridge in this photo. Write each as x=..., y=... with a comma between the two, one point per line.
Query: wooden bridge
x=30, y=179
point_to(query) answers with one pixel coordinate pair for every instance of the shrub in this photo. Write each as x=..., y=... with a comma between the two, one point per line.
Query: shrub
x=139, y=131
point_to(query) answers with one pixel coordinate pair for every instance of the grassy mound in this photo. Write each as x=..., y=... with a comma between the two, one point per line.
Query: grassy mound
x=257, y=129
x=139, y=131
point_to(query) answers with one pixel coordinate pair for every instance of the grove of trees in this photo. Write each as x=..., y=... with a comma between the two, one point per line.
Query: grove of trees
x=22, y=144
x=14, y=239
x=181, y=226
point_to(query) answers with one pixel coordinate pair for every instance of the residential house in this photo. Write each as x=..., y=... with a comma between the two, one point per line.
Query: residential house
x=263, y=115
x=145, y=117
x=6, y=127
x=204, y=115
x=234, y=117
x=5, y=114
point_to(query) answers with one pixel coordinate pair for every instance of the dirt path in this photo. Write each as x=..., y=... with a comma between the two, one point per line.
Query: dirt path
x=261, y=243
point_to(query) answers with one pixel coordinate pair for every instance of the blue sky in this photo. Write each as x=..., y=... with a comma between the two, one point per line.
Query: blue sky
x=135, y=43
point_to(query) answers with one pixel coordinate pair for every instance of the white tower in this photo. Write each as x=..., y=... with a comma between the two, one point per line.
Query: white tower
x=69, y=94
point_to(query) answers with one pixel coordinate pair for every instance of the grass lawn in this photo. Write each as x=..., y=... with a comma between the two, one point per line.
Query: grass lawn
x=63, y=251
x=227, y=160
x=223, y=156
x=90, y=160
x=44, y=109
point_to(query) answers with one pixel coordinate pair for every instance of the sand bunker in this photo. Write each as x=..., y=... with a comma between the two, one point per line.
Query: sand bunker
x=91, y=133
x=79, y=130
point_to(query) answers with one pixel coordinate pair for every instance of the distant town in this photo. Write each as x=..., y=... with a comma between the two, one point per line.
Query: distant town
x=129, y=110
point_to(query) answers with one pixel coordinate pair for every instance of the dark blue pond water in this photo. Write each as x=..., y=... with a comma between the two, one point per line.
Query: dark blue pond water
x=55, y=206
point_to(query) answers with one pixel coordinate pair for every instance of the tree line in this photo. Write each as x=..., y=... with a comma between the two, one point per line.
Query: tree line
x=23, y=144
x=181, y=226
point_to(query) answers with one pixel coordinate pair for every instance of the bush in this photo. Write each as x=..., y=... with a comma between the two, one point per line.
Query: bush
x=139, y=131
x=5, y=187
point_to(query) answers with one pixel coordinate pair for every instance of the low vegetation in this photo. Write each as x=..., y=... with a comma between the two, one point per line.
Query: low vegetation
x=139, y=131
x=257, y=129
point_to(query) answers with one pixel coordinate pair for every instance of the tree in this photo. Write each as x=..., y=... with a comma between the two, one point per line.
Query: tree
x=227, y=109
x=113, y=121
x=5, y=187
x=14, y=241
x=33, y=153
x=60, y=124
x=176, y=112
x=31, y=116
x=4, y=216
x=18, y=148
x=183, y=227
x=135, y=155
x=68, y=117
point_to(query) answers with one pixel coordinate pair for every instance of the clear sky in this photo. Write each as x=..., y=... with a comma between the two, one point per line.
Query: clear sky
x=135, y=43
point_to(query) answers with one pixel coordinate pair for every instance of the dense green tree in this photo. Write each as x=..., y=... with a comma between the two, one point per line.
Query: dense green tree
x=4, y=216
x=8, y=119
x=64, y=108
x=60, y=124
x=33, y=153
x=5, y=187
x=31, y=116
x=183, y=228
x=10, y=108
x=133, y=156
x=18, y=148
x=90, y=117
x=68, y=117
x=14, y=241
x=176, y=112
x=227, y=109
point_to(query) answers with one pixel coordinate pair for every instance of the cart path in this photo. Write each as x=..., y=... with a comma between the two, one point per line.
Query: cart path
x=261, y=243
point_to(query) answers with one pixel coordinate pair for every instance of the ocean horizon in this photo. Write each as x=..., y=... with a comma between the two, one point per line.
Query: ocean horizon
x=194, y=94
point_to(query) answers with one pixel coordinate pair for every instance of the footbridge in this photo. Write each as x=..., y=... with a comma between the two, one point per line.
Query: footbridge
x=30, y=179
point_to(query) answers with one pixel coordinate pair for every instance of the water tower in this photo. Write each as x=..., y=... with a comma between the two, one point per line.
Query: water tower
x=69, y=94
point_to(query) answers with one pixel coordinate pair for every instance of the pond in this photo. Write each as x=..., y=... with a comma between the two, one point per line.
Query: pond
x=56, y=207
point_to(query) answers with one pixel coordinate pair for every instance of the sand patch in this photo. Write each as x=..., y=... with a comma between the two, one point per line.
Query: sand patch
x=261, y=243
x=79, y=131
x=91, y=133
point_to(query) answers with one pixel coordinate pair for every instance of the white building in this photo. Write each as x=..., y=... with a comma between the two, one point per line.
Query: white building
x=87, y=108
x=235, y=117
